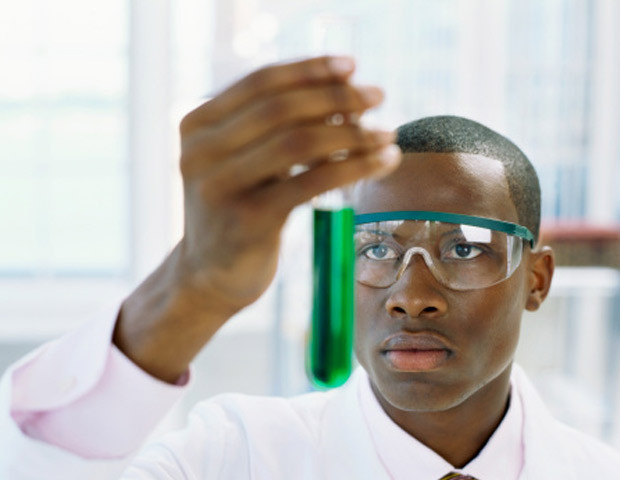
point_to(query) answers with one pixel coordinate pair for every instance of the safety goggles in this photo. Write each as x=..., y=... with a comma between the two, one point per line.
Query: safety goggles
x=463, y=252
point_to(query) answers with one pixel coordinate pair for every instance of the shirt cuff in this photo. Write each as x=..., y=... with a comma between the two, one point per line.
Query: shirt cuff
x=80, y=393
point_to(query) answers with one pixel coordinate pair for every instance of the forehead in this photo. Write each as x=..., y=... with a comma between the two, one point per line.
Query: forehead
x=443, y=182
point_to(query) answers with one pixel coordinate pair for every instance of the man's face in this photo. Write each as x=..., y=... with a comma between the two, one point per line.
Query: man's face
x=479, y=328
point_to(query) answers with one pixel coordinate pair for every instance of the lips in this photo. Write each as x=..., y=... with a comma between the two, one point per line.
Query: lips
x=415, y=352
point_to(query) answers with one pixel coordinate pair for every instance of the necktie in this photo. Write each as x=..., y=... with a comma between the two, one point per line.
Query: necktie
x=457, y=476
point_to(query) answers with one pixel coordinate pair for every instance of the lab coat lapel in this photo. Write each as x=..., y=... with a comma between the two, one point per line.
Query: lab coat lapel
x=347, y=450
x=554, y=450
x=543, y=456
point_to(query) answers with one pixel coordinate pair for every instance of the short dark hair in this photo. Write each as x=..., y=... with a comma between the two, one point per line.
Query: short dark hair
x=452, y=134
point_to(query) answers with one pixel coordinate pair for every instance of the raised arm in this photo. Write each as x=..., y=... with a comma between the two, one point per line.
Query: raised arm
x=237, y=152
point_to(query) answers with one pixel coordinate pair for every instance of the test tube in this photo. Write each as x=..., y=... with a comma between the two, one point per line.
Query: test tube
x=330, y=349
x=331, y=336
x=329, y=356
x=329, y=353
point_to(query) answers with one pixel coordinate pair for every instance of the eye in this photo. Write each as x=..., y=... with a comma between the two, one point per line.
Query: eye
x=463, y=251
x=379, y=251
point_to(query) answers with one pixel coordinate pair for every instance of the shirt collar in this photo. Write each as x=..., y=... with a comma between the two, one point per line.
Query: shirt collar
x=401, y=454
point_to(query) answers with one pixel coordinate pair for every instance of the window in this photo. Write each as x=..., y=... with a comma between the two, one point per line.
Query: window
x=85, y=158
x=63, y=155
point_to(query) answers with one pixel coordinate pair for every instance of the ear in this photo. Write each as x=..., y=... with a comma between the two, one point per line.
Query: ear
x=542, y=264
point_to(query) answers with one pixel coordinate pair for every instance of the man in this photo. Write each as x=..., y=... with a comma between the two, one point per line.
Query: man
x=446, y=263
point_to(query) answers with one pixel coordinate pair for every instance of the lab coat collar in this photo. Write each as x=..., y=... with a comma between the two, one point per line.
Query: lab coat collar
x=551, y=450
x=346, y=448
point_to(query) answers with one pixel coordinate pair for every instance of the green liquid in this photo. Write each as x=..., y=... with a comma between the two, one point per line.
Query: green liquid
x=331, y=338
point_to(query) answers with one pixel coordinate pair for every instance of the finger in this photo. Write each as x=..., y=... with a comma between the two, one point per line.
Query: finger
x=337, y=119
x=284, y=196
x=331, y=104
x=268, y=80
x=297, y=146
x=204, y=146
x=295, y=107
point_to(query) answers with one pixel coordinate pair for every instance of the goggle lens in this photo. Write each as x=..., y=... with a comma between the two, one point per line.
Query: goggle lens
x=460, y=256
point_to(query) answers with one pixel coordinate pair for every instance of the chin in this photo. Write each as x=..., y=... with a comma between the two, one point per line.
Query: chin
x=438, y=399
x=420, y=393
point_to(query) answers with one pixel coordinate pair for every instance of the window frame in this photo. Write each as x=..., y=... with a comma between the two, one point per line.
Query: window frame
x=41, y=307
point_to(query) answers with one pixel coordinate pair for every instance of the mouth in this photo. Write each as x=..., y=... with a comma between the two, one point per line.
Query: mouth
x=415, y=352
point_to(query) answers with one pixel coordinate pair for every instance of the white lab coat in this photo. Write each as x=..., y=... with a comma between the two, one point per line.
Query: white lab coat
x=314, y=436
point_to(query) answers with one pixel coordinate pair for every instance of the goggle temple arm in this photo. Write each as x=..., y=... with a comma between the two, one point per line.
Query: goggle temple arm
x=492, y=224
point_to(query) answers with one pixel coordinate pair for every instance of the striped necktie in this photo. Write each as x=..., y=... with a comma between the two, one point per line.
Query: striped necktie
x=457, y=476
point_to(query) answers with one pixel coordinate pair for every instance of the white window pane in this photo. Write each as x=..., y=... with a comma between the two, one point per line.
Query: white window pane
x=18, y=224
x=64, y=128
x=87, y=224
x=86, y=141
x=19, y=128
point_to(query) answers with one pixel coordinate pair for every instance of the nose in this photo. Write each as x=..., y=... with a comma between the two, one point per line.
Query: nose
x=417, y=293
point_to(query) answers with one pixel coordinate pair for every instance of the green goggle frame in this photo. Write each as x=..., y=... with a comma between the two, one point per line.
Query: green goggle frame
x=457, y=218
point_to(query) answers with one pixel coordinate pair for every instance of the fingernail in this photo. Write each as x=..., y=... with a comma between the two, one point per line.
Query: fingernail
x=389, y=155
x=354, y=118
x=384, y=136
x=371, y=95
x=341, y=65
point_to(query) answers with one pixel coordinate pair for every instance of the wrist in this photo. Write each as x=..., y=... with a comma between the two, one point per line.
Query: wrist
x=167, y=320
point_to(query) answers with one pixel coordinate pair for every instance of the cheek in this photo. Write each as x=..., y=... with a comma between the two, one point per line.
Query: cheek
x=497, y=331
x=368, y=309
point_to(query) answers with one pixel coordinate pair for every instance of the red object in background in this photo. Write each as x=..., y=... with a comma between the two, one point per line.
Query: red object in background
x=580, y=243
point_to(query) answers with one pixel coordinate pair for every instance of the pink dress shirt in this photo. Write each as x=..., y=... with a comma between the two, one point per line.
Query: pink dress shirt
x=80, y=384
x=401, y=454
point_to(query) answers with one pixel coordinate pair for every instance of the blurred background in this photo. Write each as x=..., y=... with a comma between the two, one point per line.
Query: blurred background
x=91, y=94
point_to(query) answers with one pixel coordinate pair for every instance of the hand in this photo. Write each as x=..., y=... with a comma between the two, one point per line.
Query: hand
x=237, y=153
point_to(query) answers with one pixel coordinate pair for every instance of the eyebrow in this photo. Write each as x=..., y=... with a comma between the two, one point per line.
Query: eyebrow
x=453, y=231
x=375, y=232
x=383, y=233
